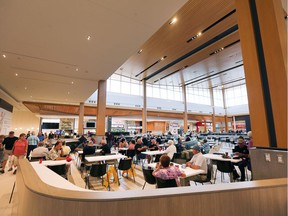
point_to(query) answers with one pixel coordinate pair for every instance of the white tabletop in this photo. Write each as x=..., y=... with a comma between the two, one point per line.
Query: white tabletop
x=53, y=179
x=51, y=162
x=220, y=158
x=105, y=158
x=80, y=152
x=123, y=149
x=164, y=144
x=153, y=152
x=188, y=171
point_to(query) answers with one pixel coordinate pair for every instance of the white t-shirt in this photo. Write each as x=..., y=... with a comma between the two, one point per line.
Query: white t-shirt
x=200, y=161
x=39, y=152
x=170, y=151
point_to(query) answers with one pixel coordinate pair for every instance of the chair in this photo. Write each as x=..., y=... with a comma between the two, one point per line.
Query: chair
x=157, y=158
x=97, y=170
x=59, y=169
x=130, y=153
x=126, y=164
x=161, y=183
x=149, y=178
x=209, y=175
x=223, y=167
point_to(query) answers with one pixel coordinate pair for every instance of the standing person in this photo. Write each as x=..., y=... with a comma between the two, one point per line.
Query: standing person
x=109, y=138
x=1, y=149
x=8, y=146
x=33, y=141
x=40, y=136
x=19, y=150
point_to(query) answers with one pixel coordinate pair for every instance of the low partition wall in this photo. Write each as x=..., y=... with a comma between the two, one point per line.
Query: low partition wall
x=264, y=197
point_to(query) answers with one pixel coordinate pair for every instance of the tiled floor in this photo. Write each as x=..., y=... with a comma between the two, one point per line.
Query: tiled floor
x=6, y=184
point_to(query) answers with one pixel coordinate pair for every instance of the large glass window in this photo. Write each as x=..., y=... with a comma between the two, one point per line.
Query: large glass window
x=198, y=95
x=218, y=97
x=236, y=96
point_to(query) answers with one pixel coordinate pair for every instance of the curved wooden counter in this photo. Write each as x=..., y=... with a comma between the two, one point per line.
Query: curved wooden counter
x=265, y=197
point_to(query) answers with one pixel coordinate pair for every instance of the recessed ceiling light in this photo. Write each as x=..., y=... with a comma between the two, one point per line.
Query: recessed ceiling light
x=174, y=20
x=140, y=51
x=163, y=58
x=199, y=34
x=16, y=74
x=76, y=69
x=25, y=88
x=68, y=92
x=4, y=56
x=88, y=37
x=72, y=82
x=30, y=96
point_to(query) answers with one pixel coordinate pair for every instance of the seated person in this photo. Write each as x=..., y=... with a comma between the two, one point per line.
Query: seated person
x=65, y=149
x=205, y=147
x=88, y=150
x=105, y=148
x=188, y=151
x=123, y=144
x=140, y=148
x=54, y=153
x=198, y=161
x=179, y=146
x=171, y=150
x=241, y=151
x=131, y=145
x=81, y=146
x=82, y=139
x=152, y=147
x=166, y=171
x=40, y=151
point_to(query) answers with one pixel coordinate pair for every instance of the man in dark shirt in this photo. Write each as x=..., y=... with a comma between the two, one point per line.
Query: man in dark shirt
x=8, y=143
x=105, y=148
x=241, y=151
x=82, y=139
x=140, y=148
x=88, y=150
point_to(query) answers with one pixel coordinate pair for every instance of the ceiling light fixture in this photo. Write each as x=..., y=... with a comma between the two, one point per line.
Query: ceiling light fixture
x=88, y=37
x=72, y=82
x=219, y=50
x=76, y=69
x=4, y=56
x=25, y=88
x=174, y=20
x=16, y=74
x=68, y=92
x=163, y=58
x=140, y=51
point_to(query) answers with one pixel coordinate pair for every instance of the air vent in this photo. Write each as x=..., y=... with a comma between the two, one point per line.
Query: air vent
x=171, y=73
x=159, y=108
x=222, y=48
x=161, y=59
x=117, y=104
x=137, y=106
x=173, y=109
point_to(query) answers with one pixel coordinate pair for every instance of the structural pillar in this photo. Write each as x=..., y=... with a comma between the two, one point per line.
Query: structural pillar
x=144, y=110
x=225, y=109
x=185, y=114
x=81, y=119
x=213, y=110
x=263, y=36
x=101, y=108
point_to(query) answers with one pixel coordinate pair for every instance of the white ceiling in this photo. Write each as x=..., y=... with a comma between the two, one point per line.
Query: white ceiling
x=45, y=43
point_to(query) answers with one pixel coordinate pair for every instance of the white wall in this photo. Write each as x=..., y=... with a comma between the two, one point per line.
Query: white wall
x=22, y=121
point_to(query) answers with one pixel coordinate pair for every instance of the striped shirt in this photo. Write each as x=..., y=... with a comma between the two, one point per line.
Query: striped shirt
x=33, y=140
